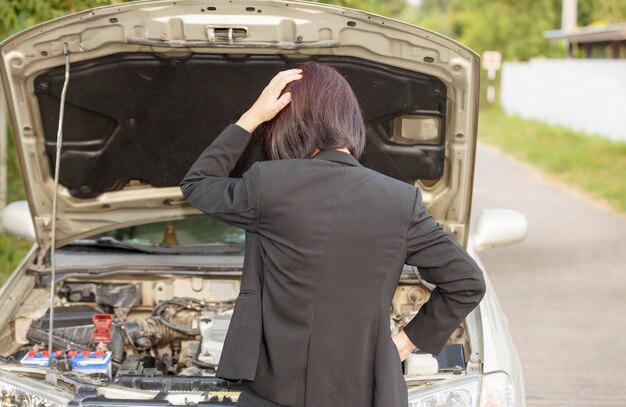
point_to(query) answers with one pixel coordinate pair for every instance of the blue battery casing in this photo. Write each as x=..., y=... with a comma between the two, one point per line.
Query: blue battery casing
x=85, y=362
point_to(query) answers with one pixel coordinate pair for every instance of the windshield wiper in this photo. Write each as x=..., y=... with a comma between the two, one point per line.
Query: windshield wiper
x=114, y=244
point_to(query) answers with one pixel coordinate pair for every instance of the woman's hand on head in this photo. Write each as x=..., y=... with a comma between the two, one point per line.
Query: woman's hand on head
x=270, y=102
x=403, y=344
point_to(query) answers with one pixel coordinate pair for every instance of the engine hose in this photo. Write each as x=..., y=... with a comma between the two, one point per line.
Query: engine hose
x=151, y=332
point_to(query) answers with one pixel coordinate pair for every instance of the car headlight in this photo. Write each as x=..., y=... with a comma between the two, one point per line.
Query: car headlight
x=490, y=390
x=457, y=393
x=21, y=391
x=497, y=391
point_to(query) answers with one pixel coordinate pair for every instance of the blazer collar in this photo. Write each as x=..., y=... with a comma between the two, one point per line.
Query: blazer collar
x=338, y=157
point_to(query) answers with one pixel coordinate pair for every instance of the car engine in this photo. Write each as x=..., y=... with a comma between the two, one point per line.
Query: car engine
x=139, y=332
x=158, y=327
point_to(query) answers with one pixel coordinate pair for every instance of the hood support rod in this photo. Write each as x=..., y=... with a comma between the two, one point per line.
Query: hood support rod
x=51, y=374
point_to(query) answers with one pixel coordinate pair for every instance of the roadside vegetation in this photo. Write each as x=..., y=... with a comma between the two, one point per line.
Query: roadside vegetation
x=12, y=249
x=593, y=164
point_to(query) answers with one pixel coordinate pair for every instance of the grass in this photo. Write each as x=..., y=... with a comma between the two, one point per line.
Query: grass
x=594, y=164
x=12, y=251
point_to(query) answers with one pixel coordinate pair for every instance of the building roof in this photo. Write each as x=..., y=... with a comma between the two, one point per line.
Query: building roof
x=605, y=33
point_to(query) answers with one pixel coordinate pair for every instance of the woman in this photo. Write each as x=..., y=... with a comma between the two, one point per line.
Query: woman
x=329, y=238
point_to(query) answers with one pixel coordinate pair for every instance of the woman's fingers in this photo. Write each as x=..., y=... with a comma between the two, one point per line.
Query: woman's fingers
x=282, y=79
x=270, y=96
x=403, y=344
x=285, y=73
x=282, y=102
x=270, y=102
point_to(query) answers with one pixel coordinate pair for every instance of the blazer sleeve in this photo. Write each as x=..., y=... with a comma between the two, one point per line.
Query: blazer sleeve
x=208, y=187
x=459, y=282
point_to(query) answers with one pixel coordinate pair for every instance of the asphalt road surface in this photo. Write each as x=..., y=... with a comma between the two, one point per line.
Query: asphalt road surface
x=563, y=289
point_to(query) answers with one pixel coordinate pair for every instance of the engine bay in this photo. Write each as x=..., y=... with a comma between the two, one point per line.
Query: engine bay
x=162, y=331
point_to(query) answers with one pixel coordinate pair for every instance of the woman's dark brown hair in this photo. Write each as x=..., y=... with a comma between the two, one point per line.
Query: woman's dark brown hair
x=323, y=113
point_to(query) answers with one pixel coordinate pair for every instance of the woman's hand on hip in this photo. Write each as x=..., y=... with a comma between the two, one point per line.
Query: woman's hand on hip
x=404, y=345
x=269, y=102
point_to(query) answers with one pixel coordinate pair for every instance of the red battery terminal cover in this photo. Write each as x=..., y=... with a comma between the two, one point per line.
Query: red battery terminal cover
x=102, y=327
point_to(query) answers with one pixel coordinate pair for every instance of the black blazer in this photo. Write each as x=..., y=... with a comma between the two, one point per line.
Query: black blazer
x=327, y=239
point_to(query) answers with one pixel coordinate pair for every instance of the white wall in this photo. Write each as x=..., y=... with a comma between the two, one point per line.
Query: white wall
x=582, y=94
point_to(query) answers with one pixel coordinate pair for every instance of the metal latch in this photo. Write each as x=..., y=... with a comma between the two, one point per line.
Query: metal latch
x=230, y=34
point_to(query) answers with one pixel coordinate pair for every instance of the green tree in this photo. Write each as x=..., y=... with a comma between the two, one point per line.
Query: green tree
x=389, y=8
x=600, y=12
x=16, y=15
x=513, y=27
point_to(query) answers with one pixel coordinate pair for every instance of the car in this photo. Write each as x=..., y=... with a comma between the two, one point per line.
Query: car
x=127, y=292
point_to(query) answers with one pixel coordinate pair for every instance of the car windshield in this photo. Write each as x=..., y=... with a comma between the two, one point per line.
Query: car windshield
x=199, y=230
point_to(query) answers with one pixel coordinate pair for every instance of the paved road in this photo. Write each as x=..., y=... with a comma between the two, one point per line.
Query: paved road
x=563, y=288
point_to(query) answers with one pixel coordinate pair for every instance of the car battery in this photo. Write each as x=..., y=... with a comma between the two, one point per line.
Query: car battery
x=91, y=362
x=81, y=361
x=39, y=359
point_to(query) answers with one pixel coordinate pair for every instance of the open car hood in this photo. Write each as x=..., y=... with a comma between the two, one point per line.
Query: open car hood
x=152, y=83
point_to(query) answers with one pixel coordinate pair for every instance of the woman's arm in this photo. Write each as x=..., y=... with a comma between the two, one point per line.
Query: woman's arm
x=270, y=102
x=208, y=188
x=459, y=281
x=207, y=185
